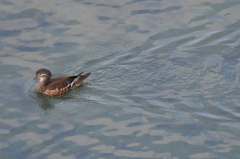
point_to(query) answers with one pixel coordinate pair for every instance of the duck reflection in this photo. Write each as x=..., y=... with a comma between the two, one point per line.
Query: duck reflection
x=44, y=102
x=47, y=102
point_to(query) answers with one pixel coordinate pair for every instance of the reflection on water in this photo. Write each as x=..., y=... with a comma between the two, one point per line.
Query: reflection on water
x=68, y=105
x=164, y=81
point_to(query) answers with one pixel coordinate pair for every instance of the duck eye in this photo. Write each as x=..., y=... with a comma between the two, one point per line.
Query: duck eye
x=39, y=74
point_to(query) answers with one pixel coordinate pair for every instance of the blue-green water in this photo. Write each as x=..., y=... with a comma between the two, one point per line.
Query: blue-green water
x=164, y=82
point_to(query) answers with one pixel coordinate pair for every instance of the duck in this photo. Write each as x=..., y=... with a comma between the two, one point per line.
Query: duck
x=57, y=86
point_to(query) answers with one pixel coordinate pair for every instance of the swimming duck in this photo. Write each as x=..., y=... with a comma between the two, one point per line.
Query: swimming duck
x=57, y=86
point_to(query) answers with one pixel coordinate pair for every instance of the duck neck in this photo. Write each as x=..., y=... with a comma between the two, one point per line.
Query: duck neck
x=41, y=85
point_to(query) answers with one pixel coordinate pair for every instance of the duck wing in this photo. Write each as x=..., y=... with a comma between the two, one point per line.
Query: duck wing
x=67, y=82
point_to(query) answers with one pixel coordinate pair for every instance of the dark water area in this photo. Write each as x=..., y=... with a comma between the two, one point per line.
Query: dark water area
x=164, y=82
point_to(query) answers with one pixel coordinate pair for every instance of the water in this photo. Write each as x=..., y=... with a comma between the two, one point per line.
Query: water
x=164, y=82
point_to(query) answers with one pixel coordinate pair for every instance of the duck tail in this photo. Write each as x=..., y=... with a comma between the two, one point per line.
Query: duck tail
x=80, y=78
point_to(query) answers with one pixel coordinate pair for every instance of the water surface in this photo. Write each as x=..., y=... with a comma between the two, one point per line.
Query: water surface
x=164, y=82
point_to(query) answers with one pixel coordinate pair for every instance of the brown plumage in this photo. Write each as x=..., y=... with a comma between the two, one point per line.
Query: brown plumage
x=57, y=86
